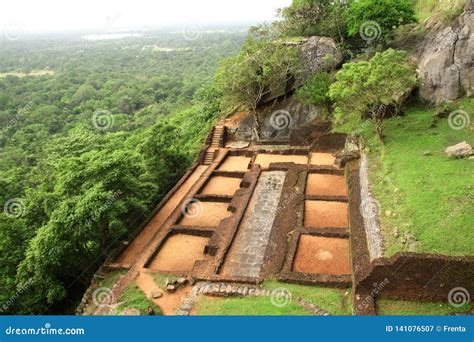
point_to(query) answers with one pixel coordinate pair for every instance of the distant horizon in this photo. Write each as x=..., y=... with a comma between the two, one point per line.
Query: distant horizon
x=106, y=16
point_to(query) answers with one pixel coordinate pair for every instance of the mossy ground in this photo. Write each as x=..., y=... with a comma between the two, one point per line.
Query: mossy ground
x=133, y=297
x=333, y=301
x=426, y=198
x=404, y=308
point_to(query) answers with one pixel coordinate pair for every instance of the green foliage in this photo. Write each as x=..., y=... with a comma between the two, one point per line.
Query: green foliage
x=446, y=9
x=315, y=90
x=86, y=189
x=84, y=93
x=387, y=14
x=83, y=201
x=262, y=65
x=315, y=17
x=369, y=87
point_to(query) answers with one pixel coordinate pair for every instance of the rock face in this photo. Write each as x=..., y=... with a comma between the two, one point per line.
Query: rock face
x=317, y=54
x=282, y=118
x=446, y=57
x=279, y=120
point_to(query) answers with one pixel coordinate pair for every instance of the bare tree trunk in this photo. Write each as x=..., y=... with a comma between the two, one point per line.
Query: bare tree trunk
x=378, y=114
x=379, y=130
x=258, y=132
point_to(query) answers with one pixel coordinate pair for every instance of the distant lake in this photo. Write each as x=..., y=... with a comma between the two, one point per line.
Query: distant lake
x=110, y=36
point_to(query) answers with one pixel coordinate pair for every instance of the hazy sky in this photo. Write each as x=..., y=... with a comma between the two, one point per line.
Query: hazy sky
x=49, y=15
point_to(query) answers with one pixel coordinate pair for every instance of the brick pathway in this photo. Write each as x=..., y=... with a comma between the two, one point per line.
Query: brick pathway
x=246, y=255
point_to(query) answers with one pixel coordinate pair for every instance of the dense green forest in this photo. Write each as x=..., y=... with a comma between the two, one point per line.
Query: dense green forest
x=93, y=134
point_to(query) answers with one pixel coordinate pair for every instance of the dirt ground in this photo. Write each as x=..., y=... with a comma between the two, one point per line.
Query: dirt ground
x=206, y=214
x=320, y=255
x=169, y=302
x=266, y=159
x=235, y=163
x=179, y=253
x=219, y=185
x=234, y=120
x=138, y=244
x=326, y=159
x=325, y=214
x=325, y=185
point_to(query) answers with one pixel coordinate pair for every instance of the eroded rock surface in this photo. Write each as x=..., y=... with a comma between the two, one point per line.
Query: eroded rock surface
x=446, y=57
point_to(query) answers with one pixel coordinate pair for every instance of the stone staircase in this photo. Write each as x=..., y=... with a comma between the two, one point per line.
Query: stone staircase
x=218, y=137
x=209, y=157
x=217, y=141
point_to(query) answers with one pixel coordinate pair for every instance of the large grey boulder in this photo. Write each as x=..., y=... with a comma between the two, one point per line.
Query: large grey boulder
x=317, y=54
x=279, y=119
x=445, y=58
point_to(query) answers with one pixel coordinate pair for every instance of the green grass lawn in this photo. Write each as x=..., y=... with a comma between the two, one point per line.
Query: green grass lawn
x=133, y=297
x=403, y=308
x=160, y=279
x=111, y=279
x=334, y=301
x=238, y=306
x=426, y=198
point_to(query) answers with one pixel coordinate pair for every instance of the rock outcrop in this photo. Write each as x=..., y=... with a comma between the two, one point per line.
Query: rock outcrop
x=317, y=54
x=461, y=150
x=446, y=56
x=279, y=120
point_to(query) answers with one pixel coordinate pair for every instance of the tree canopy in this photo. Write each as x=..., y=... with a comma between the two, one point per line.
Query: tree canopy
x=89, y=147
x=376, y=19
x=370, y=87
x=262, y=66
x=315, y=17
